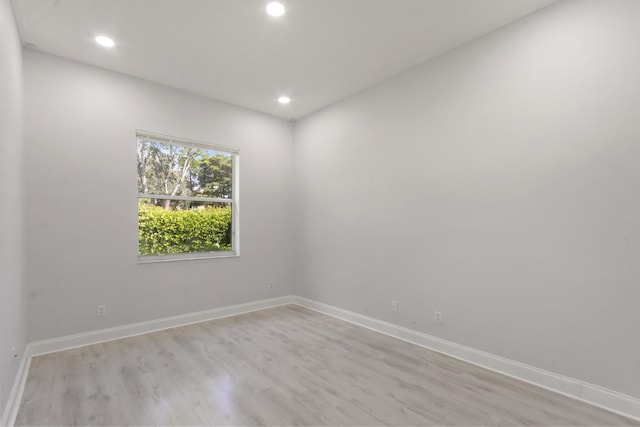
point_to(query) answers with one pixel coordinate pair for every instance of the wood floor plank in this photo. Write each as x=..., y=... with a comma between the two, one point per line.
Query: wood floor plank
x=282, y=366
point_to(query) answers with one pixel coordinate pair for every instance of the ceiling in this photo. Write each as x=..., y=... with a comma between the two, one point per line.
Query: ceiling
x=318, y=53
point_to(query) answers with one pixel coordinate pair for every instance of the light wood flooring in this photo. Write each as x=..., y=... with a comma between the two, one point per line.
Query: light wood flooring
x=281, y=366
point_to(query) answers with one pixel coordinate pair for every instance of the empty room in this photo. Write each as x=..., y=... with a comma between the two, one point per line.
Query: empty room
x=320, y=212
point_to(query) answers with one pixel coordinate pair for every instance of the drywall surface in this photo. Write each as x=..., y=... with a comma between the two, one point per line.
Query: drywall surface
x=82, y=200
x=12, y=307
x=498, y=184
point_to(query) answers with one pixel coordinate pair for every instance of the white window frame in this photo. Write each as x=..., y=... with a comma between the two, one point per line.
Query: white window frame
x=233, y=201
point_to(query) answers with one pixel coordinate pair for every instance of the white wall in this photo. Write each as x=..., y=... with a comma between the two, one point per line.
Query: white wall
x=82, y=207
x=12, y=312
x=500, y=184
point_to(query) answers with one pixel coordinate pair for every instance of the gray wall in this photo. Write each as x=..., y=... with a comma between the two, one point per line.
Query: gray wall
x=82, y=208
x=500, y=184
x=12, y=313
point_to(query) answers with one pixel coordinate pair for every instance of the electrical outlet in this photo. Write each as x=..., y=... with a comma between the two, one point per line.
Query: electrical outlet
x=438, y=317
x=394, y=305
x=102, y=310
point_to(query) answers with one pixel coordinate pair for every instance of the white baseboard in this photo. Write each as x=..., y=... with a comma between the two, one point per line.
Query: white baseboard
x=102, y=335
x=72, y=341
x=589, y=393
x=15, y=396
x=592, y=394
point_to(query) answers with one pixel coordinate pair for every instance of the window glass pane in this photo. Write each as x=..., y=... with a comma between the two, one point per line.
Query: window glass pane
x=176, y=227
x=178, y=170
x=211, y=174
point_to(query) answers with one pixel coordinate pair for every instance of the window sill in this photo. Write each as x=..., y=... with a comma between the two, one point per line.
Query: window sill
x=153, y=259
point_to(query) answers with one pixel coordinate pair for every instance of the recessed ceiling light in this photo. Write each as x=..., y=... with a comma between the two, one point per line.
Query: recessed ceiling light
x=275, y=9
x=105, y=41
x=284, y=100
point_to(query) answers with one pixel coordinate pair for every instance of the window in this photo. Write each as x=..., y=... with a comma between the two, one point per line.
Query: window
x=187, y=199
